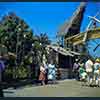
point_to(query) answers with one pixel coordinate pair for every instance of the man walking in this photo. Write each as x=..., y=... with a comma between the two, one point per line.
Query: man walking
x=75, y=69
x=89, y=70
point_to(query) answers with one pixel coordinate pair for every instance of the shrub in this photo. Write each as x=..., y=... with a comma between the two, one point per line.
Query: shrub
x=8, y=74
x=22, y=72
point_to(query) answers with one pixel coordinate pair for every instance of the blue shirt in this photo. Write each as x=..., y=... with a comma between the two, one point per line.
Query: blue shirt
x=2, y=65
x=51, y=72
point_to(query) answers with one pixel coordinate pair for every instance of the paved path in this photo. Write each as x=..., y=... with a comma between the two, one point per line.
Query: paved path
x=66, y=88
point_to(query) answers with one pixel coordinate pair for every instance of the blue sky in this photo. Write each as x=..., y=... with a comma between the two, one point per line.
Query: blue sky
x=47, y=16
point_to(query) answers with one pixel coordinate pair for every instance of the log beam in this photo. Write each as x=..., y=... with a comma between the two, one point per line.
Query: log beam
x=78, y=39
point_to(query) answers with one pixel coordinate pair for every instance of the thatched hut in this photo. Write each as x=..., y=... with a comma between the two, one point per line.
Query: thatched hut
x=63, y=59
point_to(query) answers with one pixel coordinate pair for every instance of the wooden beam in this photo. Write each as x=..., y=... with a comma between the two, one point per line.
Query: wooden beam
x=78, y=39
x=69, y=38
x=78, y=42
x=94, y=35
x=90, y=36
x=97, y=30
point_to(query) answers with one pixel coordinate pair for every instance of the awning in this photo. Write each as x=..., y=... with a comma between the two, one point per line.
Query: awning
x=75, y=53
x=60, y=50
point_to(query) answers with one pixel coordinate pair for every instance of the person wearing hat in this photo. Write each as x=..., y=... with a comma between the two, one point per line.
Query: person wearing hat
x=96, y=71
x=75, y=69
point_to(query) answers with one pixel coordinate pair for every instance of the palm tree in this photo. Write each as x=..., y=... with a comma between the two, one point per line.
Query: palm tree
x=39, y=49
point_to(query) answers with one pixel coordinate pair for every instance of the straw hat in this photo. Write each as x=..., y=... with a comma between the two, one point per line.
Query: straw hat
x=81, y=64
x=97, y=60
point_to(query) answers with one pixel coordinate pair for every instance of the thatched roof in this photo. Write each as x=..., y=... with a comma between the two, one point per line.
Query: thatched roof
x=73, y=25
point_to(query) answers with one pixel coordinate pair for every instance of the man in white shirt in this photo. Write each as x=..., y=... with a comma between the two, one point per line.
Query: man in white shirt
x=89, y=70
x=75, y=69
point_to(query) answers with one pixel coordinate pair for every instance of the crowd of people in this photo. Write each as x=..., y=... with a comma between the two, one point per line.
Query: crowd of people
x=47, y=72
x=88, y=71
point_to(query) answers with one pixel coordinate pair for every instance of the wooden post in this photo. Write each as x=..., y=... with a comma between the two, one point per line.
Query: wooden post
x=57, y=64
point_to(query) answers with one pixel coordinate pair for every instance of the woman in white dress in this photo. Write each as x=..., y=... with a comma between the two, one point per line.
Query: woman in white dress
x=52, y=72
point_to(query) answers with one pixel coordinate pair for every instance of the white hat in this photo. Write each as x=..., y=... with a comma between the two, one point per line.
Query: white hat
x=76, y=59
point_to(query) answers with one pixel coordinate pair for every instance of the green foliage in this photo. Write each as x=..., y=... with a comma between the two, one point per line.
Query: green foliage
x=18, y=38
x=22, y=72
x=12, y=32
x=37, y=45
x=8, y=71
x=28, y=60
x=40, y=46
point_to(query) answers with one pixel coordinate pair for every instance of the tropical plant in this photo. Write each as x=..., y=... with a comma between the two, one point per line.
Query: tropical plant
x=19, y=39
x=16, y=35
x=41, y=44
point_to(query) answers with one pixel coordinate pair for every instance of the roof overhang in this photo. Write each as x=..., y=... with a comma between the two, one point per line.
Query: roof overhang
x=63, y=51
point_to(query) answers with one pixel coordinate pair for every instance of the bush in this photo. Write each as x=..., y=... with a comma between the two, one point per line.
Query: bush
x=8, y=74
x=28, y=60
x=22, y=72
